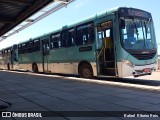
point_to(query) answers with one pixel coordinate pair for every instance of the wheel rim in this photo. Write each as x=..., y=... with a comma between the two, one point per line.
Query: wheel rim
x=86, y=72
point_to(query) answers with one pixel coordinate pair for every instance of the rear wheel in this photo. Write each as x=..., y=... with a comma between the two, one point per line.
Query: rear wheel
x=35, y=68
x=86, y=71
x=8, y=66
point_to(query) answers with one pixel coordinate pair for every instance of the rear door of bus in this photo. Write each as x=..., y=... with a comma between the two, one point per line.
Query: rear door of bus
x=45, y=55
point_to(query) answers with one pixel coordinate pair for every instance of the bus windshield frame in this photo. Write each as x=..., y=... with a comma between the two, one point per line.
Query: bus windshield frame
x=138, y=32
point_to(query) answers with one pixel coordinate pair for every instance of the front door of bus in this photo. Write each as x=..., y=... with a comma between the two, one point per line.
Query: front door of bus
x=45, y=55
x=105, y=48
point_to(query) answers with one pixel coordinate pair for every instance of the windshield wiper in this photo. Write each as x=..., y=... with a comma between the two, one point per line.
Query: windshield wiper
x=145, y=29
x=144, y=39
x=134, y=25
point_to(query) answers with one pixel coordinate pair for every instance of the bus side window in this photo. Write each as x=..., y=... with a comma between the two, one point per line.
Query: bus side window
x=85, y=34
x=79, y=37
x=23, y=48
x=108, y=33
x=71, y=37
x=51, y=44
x=29, y=46
x=91, y=33
x=19, y=49
x=36, y=45
x=64, y=38
x=55, y=41
x=85, y=39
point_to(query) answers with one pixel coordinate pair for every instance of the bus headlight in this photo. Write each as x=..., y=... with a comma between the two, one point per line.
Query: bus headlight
x=129, y=63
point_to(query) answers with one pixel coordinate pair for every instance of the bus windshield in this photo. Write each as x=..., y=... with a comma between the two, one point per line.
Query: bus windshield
x=138, y=34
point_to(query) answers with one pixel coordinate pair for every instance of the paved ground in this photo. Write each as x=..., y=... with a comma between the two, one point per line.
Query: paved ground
x=56, y=94
x=155, y=76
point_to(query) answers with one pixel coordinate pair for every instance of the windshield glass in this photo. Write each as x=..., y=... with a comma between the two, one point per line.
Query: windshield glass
x=138, y=34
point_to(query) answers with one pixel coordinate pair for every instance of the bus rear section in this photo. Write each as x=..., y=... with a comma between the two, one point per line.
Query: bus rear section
x=30, y=55
x=5, y=58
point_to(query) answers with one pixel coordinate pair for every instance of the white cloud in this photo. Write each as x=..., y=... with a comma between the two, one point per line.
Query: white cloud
x=81, y=3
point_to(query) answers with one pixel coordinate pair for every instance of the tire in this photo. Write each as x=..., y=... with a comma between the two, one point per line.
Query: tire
x=86, y=71
x=8, y=66
x=35, y=68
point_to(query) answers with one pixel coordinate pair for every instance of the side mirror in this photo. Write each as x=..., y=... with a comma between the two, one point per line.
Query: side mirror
x=122, y=23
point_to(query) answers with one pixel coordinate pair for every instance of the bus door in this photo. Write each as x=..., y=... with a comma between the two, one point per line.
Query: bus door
x=45, y=55
x=14, y=57
x=105, y=49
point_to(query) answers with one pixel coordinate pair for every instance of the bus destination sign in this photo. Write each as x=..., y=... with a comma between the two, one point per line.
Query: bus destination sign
x=138, y=13
x=125, y=12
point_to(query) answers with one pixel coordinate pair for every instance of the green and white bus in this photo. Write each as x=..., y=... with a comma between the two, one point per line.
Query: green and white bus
x=118, y=42
x=5, y=56
x=9, y=58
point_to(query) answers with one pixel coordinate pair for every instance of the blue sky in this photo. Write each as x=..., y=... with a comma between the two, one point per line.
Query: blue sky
x=81, y=9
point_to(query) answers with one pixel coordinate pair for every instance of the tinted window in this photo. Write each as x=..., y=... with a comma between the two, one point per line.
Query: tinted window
x=55, y=41
x=68, y=38
x=85, y=34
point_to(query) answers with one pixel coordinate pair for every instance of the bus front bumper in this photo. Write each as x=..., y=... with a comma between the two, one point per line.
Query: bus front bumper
x=143, y=70
x=126, y=70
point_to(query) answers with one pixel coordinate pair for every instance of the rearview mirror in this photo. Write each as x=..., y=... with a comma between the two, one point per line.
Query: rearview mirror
x=122, y=23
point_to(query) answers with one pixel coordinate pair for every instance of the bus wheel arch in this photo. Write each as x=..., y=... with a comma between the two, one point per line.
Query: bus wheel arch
x=35, y=68
x=85, y=69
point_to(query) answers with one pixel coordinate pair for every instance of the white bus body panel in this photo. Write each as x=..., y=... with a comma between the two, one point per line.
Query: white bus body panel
x=125, y=70
x=64, y=68
x=69, y=68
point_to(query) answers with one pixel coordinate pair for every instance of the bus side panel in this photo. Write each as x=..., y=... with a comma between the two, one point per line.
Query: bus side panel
x=67, y=61
x=26, y=60
x=69, y=68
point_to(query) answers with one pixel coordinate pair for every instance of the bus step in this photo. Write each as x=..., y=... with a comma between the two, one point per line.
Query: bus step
x=110, y=64
x=110, y=71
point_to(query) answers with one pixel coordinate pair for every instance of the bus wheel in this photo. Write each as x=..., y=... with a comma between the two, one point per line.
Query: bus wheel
x=8, y=67
x=35, y=68
x=86, y=71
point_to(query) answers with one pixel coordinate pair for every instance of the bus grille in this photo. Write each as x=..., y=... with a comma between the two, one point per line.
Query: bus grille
x=144, y=56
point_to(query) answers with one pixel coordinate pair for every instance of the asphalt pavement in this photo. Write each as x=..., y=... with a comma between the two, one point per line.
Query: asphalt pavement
x=61, y=98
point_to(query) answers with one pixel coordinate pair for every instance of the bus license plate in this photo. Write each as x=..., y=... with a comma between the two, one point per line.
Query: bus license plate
x=147, y=70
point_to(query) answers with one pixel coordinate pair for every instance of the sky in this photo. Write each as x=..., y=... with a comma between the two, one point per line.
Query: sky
x=81, y=9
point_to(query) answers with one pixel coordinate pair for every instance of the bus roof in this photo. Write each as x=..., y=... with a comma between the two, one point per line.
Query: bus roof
x=98, y=15
x=91, y=18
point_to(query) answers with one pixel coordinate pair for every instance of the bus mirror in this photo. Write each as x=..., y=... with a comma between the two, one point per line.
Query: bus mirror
x=122, y=23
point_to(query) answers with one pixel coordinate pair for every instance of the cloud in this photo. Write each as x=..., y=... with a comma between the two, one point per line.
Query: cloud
x=81, y=3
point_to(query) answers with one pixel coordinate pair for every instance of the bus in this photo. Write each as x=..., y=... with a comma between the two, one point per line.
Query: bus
x=5, y=56
x=119, y=42
x=9, y=58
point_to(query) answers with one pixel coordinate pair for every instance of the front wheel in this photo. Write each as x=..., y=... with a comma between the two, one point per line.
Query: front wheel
x=35, y=68
x=86, y=71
